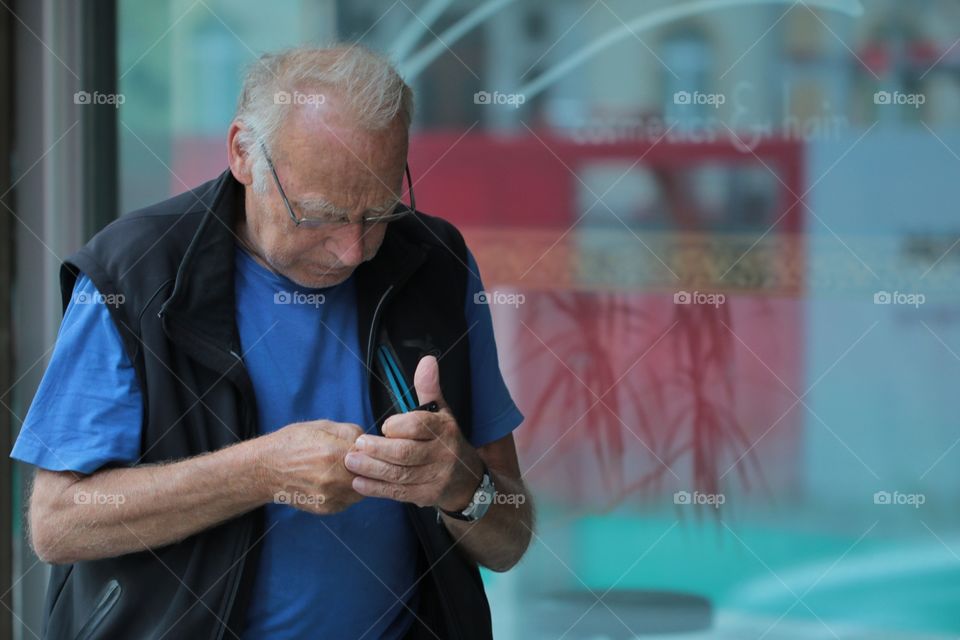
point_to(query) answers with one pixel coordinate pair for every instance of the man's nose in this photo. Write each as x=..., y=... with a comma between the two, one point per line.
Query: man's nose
x=346, y=243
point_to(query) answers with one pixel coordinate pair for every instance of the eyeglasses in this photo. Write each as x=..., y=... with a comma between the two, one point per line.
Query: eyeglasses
x=400, y=211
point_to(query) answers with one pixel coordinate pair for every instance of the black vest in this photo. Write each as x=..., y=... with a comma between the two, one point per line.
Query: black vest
x=173, y=263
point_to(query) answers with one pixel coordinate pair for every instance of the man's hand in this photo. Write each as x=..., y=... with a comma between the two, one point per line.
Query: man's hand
x=302, y=465
x=423, y=458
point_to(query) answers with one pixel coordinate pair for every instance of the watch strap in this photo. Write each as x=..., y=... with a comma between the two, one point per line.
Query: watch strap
x=461, y=515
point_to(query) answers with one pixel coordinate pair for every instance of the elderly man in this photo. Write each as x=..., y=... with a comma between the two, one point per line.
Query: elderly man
x=274, y=409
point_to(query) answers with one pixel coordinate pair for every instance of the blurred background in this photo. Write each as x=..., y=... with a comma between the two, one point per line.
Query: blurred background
x=720, y=245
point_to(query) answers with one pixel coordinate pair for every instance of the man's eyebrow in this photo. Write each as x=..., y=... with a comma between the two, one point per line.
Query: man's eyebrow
x=320, y=205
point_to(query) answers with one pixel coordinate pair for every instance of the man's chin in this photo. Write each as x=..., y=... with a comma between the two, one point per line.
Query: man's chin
x=321, y=278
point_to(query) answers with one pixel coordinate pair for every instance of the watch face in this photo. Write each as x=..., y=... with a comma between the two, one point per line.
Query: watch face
x=482, y=499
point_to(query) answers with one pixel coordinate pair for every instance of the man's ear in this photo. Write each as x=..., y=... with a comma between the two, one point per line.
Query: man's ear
x=238, y=156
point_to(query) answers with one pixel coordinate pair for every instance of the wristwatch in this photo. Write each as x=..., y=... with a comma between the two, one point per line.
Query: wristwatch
x=482, y=499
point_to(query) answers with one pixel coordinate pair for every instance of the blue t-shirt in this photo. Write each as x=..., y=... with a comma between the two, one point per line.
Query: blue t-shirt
x=343, y=575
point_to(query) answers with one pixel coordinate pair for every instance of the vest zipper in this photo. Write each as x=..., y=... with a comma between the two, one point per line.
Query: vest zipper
x=374, y=326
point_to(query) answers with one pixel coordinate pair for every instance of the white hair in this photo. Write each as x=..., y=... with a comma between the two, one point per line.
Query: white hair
x=371, y=91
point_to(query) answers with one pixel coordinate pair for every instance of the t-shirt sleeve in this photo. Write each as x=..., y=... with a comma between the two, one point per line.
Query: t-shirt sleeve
x=495, y=415
x=87, y=411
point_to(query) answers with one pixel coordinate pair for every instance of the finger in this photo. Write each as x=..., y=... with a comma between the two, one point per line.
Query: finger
x=426, y=380
x=363, y=465
x=380, y=489
x=416, y=425
x=343, y=430
x=395, y=450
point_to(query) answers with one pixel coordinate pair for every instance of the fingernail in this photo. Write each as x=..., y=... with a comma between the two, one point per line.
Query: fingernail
x=360, y=442
x=351, y=459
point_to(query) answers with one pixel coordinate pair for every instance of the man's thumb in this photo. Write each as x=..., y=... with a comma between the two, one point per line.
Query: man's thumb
x=426, y=380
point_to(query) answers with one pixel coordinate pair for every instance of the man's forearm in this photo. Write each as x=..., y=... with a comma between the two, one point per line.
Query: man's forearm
x=118, y=511
x=500, y=538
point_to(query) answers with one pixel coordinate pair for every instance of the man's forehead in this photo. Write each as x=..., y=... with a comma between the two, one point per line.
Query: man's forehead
x=349, y=163
x=322, y=178
x=329, y=125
